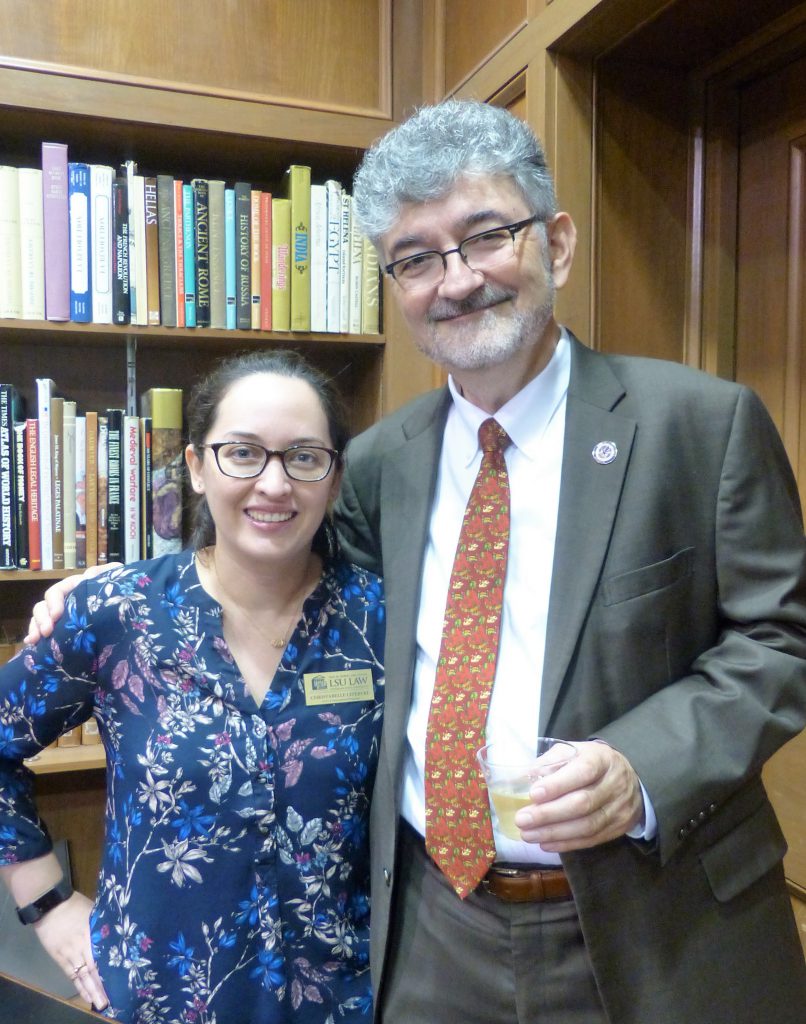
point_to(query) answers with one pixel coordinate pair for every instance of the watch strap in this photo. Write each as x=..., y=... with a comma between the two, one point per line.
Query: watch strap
x=33, y=912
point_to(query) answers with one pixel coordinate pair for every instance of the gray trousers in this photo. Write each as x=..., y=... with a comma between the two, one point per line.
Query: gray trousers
x=481, y=960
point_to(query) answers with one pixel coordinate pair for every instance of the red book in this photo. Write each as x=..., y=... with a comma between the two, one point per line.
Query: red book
x=32, y=483
x=179, y=240
x=265, y=261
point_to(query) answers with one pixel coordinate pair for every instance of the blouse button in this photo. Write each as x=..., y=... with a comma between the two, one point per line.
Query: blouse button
x=387, y=876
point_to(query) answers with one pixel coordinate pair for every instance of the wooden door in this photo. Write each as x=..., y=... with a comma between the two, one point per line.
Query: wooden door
x=770, y=353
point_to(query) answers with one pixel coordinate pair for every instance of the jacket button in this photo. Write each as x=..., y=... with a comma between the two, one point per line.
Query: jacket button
x=387, y=876
x=682, y=833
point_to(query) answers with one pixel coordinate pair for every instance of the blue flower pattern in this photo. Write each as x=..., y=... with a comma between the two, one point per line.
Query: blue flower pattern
x=235, y=880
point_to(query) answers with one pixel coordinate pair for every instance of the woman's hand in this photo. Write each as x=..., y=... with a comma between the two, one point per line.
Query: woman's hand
x=65, y=934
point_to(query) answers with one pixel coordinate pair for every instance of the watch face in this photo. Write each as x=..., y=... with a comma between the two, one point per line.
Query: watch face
x=35, y=911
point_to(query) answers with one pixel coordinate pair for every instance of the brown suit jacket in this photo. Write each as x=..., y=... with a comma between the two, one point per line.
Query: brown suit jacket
x=677, y=633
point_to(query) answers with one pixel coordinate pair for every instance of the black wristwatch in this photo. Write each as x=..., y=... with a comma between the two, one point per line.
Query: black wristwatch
x=35, y=911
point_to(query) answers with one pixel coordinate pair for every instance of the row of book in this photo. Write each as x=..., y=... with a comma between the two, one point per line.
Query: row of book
x=81, y=242
x=80, y=490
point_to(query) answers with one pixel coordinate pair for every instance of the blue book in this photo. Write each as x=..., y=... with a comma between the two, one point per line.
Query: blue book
x=189, y=242
x=78, y=203
x=229, y=258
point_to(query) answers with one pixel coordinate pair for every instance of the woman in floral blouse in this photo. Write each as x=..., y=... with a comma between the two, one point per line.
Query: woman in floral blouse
x=238, y=688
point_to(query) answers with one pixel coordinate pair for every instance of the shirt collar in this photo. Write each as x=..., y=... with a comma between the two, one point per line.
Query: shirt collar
x=526, y=416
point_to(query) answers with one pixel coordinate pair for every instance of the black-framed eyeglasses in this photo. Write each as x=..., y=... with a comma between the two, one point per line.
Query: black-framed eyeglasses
x=243, y=459
x=480, y=252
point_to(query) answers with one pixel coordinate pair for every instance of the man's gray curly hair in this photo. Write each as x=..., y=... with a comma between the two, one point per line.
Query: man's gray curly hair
x=422, y=159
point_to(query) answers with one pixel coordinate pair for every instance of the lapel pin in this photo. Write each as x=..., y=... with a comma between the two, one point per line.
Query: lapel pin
x=604, y=452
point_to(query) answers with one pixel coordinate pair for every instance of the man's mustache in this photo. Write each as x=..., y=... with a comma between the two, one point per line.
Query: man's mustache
x=484, y=297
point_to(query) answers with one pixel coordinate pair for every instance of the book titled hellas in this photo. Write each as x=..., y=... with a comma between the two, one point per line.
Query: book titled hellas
x=164, y=407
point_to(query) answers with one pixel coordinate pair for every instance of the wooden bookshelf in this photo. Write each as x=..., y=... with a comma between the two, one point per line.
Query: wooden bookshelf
x=68, y=759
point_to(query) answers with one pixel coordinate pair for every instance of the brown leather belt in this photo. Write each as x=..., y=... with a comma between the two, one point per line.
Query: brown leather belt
x=527, y=885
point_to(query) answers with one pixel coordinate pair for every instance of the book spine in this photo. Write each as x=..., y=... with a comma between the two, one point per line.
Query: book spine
x=101, y=245
x=298, y=183
x=69, y=484
x=201, y=213
x=56, y=230
x=280, y=264
x=32, y=489
x=243, y=251
x=138, y=254
x=130, y=458
x=78, y=189
x=121, y=306
x=91, y=489
x=10, y=271
x=8, y=532
x=114, y=507
x=218, y=272
x=103, y=489
x=189, y=254
x=146, y=502
x=32, y=244
x=179, y=253
x=318, y=260
x=128, y=171
x=356, y=277
x=254, y=258
x=231, y=263
x=57, y=479
x=44, y=387
x=90, y=735
x=80, y=512
x=167, y=249
x=21, y=494
x=333, y=259
x=164, y=406
x=370, y=289
x=151, y=218
x=344, y=262
x=265, y=261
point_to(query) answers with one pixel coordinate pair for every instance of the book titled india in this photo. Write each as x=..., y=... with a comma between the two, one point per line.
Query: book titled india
x=201, y=216
x=55, y=221
x=167, y=250
x=114, y=506
x=32, y=490
x=243, y=255
x=164, y=407
x=151, y=214
x=297, y=183
x=78, y=191
x=121, y=305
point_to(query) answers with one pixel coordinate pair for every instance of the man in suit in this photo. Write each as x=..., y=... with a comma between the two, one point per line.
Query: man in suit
x=653, y=612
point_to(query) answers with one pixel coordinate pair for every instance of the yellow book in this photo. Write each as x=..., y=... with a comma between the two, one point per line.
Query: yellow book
x=164, y=406
x=370, y=289
x=280, y=264
x=297, y=187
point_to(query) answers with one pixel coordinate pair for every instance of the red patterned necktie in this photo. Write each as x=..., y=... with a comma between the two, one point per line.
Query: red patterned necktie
x=458, y=833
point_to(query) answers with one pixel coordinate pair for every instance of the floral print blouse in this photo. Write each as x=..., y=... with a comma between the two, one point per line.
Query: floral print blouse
x=235, y=879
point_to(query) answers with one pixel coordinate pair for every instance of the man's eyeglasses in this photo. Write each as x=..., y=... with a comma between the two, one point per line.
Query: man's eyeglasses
x=244, y=460
x=480, y=252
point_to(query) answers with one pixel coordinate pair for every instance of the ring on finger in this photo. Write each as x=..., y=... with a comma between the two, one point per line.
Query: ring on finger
x=77, y=970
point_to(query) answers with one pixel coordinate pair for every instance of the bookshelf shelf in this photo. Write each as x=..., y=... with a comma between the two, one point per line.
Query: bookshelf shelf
x=67, y=759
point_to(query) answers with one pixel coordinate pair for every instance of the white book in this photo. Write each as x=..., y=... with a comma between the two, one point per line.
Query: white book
x=130, y=472
x=10, y=278
x=101, y=178
x=344, y=264
x=32, y=244
x=333, y=258
x=69, y=484
x=318, y=258
x=137, y=206
x=44, y=393
x=356, y=277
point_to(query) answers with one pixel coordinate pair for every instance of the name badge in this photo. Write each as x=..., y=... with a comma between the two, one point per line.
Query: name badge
x=338, y=687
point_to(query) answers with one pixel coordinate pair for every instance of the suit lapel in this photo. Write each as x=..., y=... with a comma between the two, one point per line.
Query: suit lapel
x=407, y=491
x=589, y=496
